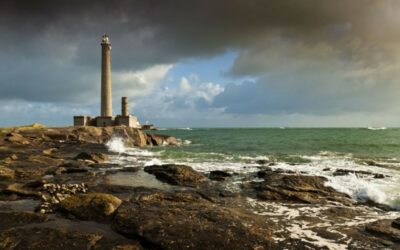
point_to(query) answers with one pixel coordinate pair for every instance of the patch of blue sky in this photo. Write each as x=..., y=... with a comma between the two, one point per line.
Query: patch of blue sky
x=207, y=69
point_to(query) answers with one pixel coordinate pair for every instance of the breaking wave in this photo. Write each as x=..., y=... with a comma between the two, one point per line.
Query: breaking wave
x=116, y=145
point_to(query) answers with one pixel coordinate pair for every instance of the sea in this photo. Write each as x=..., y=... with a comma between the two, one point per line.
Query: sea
x=311, y=151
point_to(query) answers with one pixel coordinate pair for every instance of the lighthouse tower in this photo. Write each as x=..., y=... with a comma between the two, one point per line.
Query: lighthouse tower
x=106, y=100
x=106, y=117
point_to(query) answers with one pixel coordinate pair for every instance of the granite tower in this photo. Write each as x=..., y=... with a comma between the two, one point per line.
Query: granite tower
x=106, y=100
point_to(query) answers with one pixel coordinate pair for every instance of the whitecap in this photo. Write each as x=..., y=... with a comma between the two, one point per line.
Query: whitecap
x=376, y=128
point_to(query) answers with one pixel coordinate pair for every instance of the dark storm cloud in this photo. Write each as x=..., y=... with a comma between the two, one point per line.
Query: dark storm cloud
x=49, y=49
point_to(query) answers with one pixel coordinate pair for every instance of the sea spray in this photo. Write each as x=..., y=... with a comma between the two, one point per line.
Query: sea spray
x=358, y=188
x=116, y=144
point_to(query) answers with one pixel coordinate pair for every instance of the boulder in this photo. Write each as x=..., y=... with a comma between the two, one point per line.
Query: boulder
x=218, y=175
x=263, y=173
x=6, y=174
x=384, y=229
x=16, y=138
x=160, y=140
x=184, y=220
x=179, y=175
x=93, y=206
x=297, y=188
x=396, y=223
x=262, y=161
x=95, y=157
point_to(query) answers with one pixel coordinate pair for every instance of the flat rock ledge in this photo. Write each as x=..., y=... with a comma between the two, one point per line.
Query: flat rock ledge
x=179, y=175
x=297, y=189
x=184, y=220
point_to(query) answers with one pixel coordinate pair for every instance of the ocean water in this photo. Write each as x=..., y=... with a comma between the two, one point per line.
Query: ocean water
x=314, y=151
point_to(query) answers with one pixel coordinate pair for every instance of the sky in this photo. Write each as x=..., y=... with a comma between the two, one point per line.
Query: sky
x=204, y=63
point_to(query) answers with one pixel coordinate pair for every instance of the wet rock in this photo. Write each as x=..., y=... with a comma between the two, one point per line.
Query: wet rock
x=218, y=175
x=95, y=157
x=326, y=169
x=47, y=238
x=179, y=175
x=104, y=165
x=384, y=229
x=6, y=174
x=264, y=172
x=185, y=220
x=93, y=206
x=71, y=167
x=11, y=219
x=173, y=141
x=297, y=188
x=160, y=140
x=396, y=223
x=341, y=172
x=372, y=203
x=262, y=162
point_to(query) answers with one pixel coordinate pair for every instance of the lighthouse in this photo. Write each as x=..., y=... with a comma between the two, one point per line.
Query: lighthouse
x=106, y=117
x=106, y=99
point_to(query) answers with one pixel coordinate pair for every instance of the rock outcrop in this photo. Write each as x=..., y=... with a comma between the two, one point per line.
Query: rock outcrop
x=87, y=134
x=218, y=175
x=184, y=220
x=396, y=223
x=297, y=188
x=94, y=157
x=160, y=140
x=6, y=174
x=179, y=175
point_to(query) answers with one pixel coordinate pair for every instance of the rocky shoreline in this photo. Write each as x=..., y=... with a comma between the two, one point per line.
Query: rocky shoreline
x=55, y=192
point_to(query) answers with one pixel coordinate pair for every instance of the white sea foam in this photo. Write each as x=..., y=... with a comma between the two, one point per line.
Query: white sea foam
x=116, y=145
x=184, y=128
x=358, y=188
x=186, y=142
x=153, y=161
x=137, y=152
x=376, y=128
